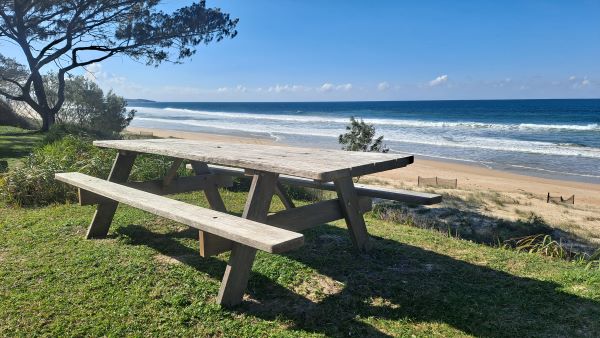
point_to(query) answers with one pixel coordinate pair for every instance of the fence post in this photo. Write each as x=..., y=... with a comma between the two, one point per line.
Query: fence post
x=548, y=198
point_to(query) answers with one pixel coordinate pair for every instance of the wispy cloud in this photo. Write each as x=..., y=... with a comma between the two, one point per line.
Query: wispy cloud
x=328, y=87
x=577, y=82
x=94, y=72
x=236, y=89
x=383, y=86
x=438, y=80
x=286, y=88
x=344, y=87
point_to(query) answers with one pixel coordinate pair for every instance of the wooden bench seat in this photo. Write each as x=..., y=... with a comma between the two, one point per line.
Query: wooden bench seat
x=400, y=195
x=250, y=233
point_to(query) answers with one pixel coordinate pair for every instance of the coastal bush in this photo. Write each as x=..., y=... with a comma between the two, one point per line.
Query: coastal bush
x=32, y=183
x=360, y=136
x=88, y=108
x=59, y=131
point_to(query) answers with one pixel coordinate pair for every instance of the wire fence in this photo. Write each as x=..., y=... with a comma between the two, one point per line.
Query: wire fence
x=560, y=199
x=437, y=182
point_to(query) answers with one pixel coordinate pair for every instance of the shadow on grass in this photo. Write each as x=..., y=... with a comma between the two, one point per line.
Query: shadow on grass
x=19, y=144
x=397, y=282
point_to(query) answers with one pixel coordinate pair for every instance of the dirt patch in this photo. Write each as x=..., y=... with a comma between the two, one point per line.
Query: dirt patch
x=319, y=287
x=167, y=260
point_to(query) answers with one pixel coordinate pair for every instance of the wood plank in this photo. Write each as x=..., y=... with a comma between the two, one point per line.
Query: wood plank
x=308, y=216
x=177, y=186
x=260, y=196
x=240, y=262
x=106, y=210
x=393, y=194
x=88, y=198
x=318, y=164
x=211, y=244
x=350, y=208
x=182, y=184
x=172, y=172
x=253, y=234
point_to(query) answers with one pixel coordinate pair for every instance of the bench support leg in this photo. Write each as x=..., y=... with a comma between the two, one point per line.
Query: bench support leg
x=106, y=210
x=351, y=210
x=240, y=263
x=211, y=244
x=285, y=199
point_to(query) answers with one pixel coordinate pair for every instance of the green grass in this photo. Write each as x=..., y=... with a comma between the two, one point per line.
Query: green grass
x=16, y=142
x=147, y=279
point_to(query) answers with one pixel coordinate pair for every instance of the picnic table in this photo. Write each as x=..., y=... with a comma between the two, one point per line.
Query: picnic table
x=271, y=166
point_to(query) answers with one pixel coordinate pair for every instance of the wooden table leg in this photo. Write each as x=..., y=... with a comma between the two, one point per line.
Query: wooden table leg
x=106, y=210
x=211, y=244
x=350, y=208
x=285, y=199
x=240, y=263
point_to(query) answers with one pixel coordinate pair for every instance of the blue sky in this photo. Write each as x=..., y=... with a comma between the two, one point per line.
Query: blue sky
x=381, y=50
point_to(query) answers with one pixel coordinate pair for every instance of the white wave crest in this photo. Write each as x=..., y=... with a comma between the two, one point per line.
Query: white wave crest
x=404, y=136
x=376, y=121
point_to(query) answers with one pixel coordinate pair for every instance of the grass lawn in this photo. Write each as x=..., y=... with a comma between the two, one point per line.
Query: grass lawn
x=147, y=279
x=17, y=142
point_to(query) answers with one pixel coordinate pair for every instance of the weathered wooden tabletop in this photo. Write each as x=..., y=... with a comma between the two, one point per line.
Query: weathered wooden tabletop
x=318, y=164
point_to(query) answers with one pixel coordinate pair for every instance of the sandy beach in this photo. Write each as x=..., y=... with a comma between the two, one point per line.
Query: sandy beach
x=498, y=194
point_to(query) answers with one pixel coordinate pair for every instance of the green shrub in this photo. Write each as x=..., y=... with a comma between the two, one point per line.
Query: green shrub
x=59, y=131
x=360, y=136
x=33, y=183
x=87, y=106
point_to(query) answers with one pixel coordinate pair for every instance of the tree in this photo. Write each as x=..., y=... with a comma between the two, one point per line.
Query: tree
x=69, y=34
x=360, y=137
x=88, y=107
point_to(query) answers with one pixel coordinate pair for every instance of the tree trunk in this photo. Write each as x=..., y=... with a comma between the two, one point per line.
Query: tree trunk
x=48, y=120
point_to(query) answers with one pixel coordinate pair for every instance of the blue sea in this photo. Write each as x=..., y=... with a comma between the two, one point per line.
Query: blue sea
x=545, y=138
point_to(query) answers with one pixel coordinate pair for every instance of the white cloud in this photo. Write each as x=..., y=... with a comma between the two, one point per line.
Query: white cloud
x=579, y=82
x=383, y=86
x=345, y=87
x=236, y=89
x=326, y=87
x=438, y=80
x=94, y=72
x=287, y=88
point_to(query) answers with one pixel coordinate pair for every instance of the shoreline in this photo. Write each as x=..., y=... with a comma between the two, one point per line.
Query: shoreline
x=471, y=176
x=483, y=195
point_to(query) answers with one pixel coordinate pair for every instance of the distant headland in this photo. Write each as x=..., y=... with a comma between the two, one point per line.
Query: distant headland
x=138, y=100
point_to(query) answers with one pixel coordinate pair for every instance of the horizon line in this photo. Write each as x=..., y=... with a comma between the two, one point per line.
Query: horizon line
x=351, y=101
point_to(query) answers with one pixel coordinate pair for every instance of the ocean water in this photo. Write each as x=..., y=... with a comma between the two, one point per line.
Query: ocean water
x=545, y=138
